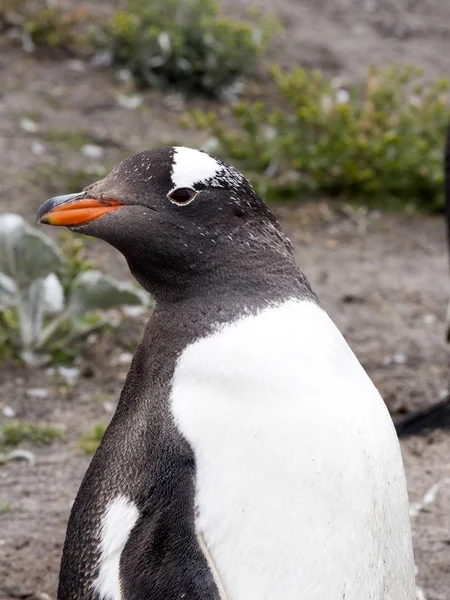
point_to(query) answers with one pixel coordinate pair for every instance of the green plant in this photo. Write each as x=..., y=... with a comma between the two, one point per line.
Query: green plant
x=46, y=300
x=73, y=138
x=5, y=507
x=89, y=441
x=73, y=248
x=187, y=43
x=16, y=432
x=381, y=140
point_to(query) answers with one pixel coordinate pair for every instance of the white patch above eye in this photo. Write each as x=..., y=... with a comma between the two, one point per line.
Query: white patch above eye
x=192, y=167
x=119, y=519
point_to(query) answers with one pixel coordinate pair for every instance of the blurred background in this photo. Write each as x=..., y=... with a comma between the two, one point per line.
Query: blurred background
x=335, y=109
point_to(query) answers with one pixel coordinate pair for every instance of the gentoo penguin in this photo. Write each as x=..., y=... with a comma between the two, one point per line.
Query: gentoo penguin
x=250, y=456
x=436, y=415
x=447, y=210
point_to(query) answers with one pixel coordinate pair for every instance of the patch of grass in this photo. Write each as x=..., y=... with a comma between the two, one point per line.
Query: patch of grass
x=186, y=43
x=74, y=139
x=8, y=322
x=89, y=441
x=5, y=507
x=380, y=142
x=16, y=432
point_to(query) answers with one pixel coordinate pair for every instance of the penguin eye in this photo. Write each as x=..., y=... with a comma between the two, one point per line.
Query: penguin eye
x=182, y=195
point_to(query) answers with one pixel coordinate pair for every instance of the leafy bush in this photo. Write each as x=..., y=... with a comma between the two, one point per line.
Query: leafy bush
x=380, y=140
x=187, y=43
x=46, y=299
x=40, y=24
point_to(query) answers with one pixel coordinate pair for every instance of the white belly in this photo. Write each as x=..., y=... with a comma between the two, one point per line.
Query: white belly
x=300, y=484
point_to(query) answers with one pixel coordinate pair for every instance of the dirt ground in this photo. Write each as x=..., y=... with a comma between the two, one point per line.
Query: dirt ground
x=382, y=278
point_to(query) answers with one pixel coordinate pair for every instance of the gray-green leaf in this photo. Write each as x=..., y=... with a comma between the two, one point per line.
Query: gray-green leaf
x=25, y=253
x=93, y=289
x=8, y=291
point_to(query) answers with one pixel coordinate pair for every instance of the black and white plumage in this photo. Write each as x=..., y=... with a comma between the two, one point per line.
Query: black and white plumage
x=250, y=456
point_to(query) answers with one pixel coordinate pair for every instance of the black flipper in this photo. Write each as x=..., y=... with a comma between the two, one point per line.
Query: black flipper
x=436, y=416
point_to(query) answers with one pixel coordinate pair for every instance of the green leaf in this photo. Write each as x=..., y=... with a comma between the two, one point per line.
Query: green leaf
x=93, y=290
x=8, y=291
x=53, y=294
x=25, y=253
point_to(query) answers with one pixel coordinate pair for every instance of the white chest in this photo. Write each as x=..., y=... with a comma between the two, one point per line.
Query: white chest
x=300, y=483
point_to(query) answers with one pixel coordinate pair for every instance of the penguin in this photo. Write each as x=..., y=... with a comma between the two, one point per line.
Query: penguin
x=447, y=212
x=437, y=415
x=250, y=456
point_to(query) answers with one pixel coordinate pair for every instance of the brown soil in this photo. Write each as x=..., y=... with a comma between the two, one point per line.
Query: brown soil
x=382, y=278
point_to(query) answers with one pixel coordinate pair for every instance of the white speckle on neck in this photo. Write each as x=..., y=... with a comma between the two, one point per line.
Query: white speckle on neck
x=119, y=519
x=192, y=167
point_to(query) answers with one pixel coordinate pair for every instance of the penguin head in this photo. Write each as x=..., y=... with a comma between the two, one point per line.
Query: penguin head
x=176, y=214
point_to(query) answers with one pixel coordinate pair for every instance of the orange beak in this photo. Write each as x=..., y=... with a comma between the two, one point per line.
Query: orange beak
x=74, y=209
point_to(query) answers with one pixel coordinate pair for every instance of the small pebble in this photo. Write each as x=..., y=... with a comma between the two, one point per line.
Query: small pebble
x=124, y=75
x=39, y=596
x=9, y=412
x=125, y=358
x=28, y=125
x=76, y=65
x=92, y=151
x=37, y=393
x=102, y=59
x=342, y=96
x=37, y=148
x=134, y=311
x=175, y=102
x=20, y=454
x=399, y=358
x=429, y=319
x=70, y=374
x=108, y=407
x=130, y=102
